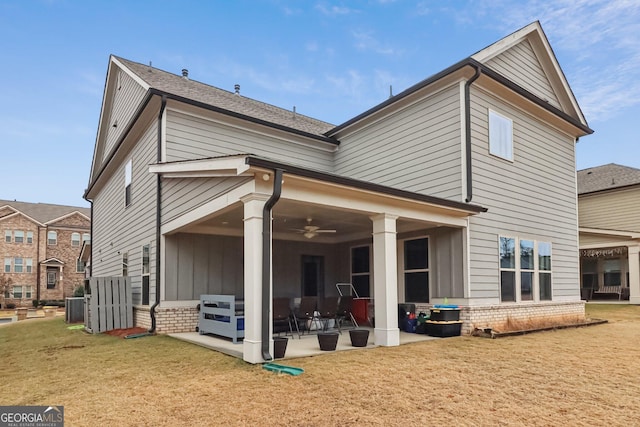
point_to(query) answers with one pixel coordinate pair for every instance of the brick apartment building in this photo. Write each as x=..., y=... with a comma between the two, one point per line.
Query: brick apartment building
x=40, y=248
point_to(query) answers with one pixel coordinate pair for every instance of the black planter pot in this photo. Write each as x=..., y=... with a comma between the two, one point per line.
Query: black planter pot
x=359, y=337
x=328, y=340
x=279, y=347
x=445, y=314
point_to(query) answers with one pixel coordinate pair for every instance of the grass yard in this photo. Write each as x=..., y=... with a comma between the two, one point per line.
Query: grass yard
x=571, y=377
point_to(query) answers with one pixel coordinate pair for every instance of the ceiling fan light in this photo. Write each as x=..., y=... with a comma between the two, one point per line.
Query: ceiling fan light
x=309, y=234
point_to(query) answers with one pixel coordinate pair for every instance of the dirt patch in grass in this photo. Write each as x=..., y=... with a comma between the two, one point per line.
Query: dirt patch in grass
x=576, y=377
x=125, y=332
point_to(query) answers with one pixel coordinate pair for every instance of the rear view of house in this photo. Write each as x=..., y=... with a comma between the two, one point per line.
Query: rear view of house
x=462, y=189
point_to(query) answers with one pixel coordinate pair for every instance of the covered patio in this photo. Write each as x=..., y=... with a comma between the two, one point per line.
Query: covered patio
x=303, y=347
x=274, y=230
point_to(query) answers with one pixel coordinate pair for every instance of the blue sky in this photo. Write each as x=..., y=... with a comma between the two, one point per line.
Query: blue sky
x=331, y=60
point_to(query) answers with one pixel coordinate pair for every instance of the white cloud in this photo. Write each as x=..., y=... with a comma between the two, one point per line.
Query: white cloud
x=365, y=41
x=334, y=10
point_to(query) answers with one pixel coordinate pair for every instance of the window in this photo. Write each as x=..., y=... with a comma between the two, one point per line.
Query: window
x=7, y=236
x=612, y=272
x=80, y=266
x=125, y=264
x=525, y=270
x=18, y=265
x=360, y=270
x=416, y=270
x=86, y=237
x=52, y=238
x=52, y=277
x=17, y=292
x=75, y=239
x=544, y=267
x=145, y=275
x=590, y=273
x=28, y=292
x=7, y=265
x=127, y=183
x=29, y=265
x=18, y=236
x=500, y=136
x=29, y=237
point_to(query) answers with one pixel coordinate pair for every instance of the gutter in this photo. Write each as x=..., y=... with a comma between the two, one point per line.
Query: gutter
x=266, y=262
x=467, y=133
x=152, y=312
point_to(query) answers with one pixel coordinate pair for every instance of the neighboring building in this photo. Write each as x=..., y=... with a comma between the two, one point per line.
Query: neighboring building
x=462, y=188
x=40, y=248
x=609, y=220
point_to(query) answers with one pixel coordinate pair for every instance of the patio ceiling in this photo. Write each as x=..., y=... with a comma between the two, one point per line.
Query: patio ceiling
x=289, y=216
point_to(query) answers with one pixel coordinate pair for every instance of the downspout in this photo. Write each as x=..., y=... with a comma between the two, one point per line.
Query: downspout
x=152, y=312
x=266, y=261
x=467, y=125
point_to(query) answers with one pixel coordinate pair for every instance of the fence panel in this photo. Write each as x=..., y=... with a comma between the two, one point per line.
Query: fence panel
x=108, y=305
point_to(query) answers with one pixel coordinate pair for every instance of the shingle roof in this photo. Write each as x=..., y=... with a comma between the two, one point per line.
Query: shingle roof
x=194, y=90
x=606, y=177
x=44, y=212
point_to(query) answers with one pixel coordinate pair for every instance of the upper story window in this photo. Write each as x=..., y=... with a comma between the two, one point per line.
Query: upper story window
x=80, y=266
x=29, y=265
x=29, y=237
x=7, y=265
x=52, y=238
x=86, y=237
x=75, y=239
x=7, y=236
x=127, y=183
x=500, y=136
x=18, y=265
x=18, y=236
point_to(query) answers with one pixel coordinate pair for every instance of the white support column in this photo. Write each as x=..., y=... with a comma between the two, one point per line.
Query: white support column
x=634, y=274
x=385, y=280
x=251, y=347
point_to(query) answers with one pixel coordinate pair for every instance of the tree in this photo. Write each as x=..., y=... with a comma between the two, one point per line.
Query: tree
x=5, y=285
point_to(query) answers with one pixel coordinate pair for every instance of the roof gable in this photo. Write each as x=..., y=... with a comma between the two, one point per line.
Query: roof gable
x=526, y=58
x=43, y=213
x=607, y=177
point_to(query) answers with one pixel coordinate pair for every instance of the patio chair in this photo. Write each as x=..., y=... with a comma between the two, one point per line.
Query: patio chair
x=281, y=315
x=344, y=312
x=306, y=314
x=328, y=311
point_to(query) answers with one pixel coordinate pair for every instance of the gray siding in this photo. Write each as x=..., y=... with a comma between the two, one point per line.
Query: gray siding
x=611, y=210
x=199, y=264
x=117, y=229
x=190, y=137
x=531, y=197
x=416, y=149
x=127, y=96
x=210, y=264
x=183, y=195
x=520, y=64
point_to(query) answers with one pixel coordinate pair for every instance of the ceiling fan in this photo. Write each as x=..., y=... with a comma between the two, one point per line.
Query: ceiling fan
x=310, y=231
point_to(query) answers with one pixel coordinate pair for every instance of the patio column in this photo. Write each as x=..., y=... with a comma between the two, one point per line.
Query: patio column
x=385, y=280
x=251, y=347
x=634, y=274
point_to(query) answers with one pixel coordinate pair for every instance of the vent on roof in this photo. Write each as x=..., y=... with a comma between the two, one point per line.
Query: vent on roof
x=185, y=74
x=237, y=88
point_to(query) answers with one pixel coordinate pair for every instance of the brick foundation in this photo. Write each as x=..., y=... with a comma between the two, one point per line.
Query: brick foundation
x=168, y=320
x=498, y=316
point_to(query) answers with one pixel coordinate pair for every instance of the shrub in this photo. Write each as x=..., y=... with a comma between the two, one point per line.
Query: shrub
x=78, y=291
x=11, y=305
